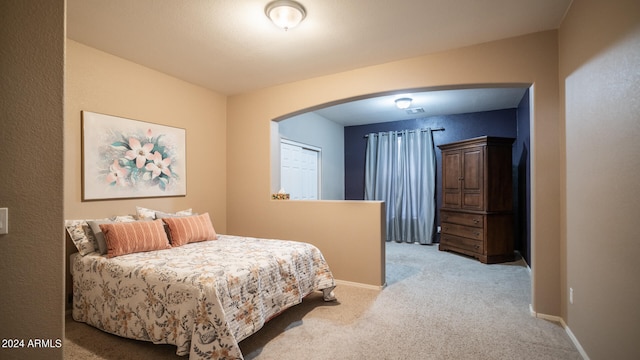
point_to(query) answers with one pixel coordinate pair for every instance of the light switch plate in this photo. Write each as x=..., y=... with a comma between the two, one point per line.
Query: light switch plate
x=4, y=220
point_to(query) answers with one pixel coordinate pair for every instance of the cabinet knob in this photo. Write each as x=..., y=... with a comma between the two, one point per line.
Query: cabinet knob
x=460, y=178
x=475, y=221
x=477, y=233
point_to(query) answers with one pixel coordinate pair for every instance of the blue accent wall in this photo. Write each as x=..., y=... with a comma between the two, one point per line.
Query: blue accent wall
x=501, y=123
x=522, y=179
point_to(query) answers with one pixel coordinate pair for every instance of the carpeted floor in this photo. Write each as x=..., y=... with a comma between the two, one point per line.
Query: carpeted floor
x=436, y=305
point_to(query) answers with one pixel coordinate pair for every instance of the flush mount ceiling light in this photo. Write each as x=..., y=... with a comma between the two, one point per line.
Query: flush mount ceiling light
x=286, y=14
x=403, y=103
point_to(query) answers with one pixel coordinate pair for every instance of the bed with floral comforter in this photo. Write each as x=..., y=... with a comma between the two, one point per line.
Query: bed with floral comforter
x=203, y=297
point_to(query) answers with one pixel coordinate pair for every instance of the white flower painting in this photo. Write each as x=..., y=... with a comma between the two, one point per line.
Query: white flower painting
x=124, y=158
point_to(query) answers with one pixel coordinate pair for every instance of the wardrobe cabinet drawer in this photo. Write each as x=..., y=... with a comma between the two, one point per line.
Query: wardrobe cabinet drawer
x=462, y=218
x=474, y=246
x=464, y=231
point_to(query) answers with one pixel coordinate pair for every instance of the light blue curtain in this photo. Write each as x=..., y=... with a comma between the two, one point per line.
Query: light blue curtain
x=400, y=169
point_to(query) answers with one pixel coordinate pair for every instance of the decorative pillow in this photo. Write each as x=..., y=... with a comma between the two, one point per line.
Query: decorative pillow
x=123, y=218
x=82, y=236
x=162, y=215
x=94, y=226
x=146, y=214
x=190, y=229
x=132, y=237
x=99, y=235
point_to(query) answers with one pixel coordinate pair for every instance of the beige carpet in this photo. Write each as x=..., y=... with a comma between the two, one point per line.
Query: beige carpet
x=437, y=305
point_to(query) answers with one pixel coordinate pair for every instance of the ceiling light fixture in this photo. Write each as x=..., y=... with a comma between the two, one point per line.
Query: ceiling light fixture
x=403, y=103
x=286, y=14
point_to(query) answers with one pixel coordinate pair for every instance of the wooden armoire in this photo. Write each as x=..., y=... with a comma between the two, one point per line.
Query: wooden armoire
x=476, y=216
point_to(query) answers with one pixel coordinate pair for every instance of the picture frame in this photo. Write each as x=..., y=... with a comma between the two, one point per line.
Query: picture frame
x=124, y=158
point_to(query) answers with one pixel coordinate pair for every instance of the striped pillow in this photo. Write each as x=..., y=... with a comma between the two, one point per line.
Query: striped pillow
x=132, y=237
x=188, y=229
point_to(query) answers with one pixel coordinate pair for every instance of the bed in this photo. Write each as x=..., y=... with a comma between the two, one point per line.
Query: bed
x=204, y=297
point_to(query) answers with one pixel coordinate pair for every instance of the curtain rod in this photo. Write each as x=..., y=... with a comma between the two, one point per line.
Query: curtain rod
x=434, y=129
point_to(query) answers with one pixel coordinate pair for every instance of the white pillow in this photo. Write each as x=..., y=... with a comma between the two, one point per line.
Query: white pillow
x=82, y=236
x=149, y=214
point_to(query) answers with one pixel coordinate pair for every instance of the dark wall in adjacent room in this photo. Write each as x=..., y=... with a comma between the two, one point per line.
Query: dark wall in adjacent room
x=501, y=123
x=522, y=180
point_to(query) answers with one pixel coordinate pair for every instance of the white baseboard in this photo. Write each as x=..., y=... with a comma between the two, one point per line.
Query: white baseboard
x=575, y=341
x=360, y=285
x=538, y=315
x=559, y=320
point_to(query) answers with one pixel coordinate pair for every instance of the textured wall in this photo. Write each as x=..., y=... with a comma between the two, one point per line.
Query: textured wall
x=457, y=127
x=103, y=83
x=522, y=178
x=31, y=140
x=600, y=83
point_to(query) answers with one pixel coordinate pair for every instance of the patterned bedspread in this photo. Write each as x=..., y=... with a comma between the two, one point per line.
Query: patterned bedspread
x=202, y=297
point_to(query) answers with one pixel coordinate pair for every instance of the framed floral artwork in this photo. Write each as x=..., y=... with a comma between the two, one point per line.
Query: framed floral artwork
x=124, y=158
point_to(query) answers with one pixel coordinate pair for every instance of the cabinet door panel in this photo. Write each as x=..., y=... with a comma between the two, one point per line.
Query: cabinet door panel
x=473, y=175
x=472, y=170
x=472, y=200
x=451, y=179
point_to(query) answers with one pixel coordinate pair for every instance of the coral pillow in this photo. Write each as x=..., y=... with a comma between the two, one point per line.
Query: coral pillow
x=188, y=229
x=133, y=237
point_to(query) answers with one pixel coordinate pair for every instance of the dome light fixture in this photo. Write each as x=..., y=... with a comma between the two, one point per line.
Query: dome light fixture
x=286, y=14
x=403, y=103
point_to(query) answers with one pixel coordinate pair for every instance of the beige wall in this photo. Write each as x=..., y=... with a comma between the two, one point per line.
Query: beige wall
x=600, y=83
x=31, y=140
x=530, y=59
x=99, y=82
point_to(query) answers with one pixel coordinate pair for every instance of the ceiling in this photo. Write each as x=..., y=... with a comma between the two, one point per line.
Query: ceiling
x=427, y=103
x=230, y=47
